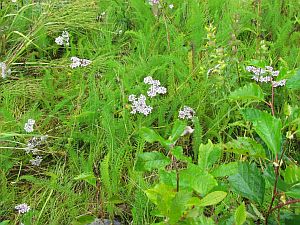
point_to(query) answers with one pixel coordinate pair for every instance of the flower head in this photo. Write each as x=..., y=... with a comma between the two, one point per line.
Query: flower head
x=77, y=62
x=139, y=105
x=28, y=127
x=186, y=113
x=37, y=161
x=263, y=75
x=22, y=208
x=279, y=83
x=63, y=39
x=155, y=87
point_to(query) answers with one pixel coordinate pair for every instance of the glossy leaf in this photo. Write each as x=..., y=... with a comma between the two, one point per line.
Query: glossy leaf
x=248, y=182
x=151, y=160
x=266, y=126
x=248, y=92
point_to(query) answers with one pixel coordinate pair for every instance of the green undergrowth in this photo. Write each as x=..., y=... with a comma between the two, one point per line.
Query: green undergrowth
x=198, y=50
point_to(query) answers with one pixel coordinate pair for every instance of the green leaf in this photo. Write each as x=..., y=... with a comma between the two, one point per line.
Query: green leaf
x=194, y=178
x=178, y=153
x=240, y=215
x=178, y=206
x=248, y=92
x=4, y=222
x=291, y=174
x=270, y=176
x=212, y=198
x=83, y=220
x=150, y=135
x=248, y=182
x=151, y=160
x=245, y=146
x=294, y=192
x=178, y=128
x=266, y=126
x=294, y=82
x=88, y=177
x=208, y=155
x=225, y=169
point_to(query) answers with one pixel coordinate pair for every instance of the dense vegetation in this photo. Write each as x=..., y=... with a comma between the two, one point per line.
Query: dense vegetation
x=216, y=142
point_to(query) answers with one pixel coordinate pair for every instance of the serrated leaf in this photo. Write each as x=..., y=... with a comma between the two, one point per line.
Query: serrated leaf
x=266, y=126
x=248, y=182
x=212, y=198
x=225, y=169
x=248, y=92
x=240, y=215
x=151, y=160
x=178, y=128
x=245, y=146
x=178, y=206
x=208, y=155
x=150, y=135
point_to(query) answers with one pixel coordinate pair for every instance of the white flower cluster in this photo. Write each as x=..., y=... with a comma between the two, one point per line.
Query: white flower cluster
x=266, y=75
x=29, y=125
x=155, y=87
x=280, y=83
x=263, y=75
x=37, y=161
x=186, y=113
x=63, y=39
x=153, y=2
x=139, y=105
x=4, y=70
x=22, y=208
x=77, y=62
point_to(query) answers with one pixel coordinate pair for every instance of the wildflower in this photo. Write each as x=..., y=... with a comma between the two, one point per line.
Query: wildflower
x=33, y=143
x=280, y=83
x=14, y=1
x=153, y=2
x=263, y=75
x=37, y=161
x=186, y=113
x=63, y=39
x=155, y=87
x=139, y=105
x=22, y=208
x=76, y=62
x=4, y=70
x=171, y=6
x=29, y=125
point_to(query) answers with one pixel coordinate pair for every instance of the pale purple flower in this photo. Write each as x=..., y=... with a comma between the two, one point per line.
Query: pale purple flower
x=77, y=62
x=37, y=161
x=263, y=75
x=33, y=143
x=22, y=208
x=28, y=127
x=279, y=83
x=153, y=2
x=139, y=105
x=155, y=87
x=63, y=39
x=186, y=113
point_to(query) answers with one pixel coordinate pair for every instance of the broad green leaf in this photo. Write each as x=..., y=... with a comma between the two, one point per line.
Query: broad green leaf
x=178, y=128
x=212, y=198
x=248, y=92
x=245, y=146
x=150, y=135
x=248, y=182
x=196, y=179
x=151, y=160
x=168, y=177
x=240, y=215
x=293, y=83
x=178, y=153
x=178, y=206
x=270, y=176
x=88, y=177
x=266, y=126
x=225, y=169
x=208, y=155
